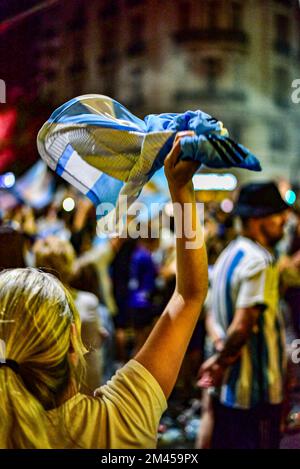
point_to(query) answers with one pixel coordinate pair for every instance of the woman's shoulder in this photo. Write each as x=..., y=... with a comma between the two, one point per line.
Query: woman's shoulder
x=126, y=410
x=134, y=381
x=77, y=402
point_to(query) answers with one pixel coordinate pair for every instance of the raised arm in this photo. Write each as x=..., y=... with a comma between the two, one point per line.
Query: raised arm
x=163, y=352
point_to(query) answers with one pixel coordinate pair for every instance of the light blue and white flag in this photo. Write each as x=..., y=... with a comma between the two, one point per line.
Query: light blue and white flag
x=36, y=187
x=106, y=152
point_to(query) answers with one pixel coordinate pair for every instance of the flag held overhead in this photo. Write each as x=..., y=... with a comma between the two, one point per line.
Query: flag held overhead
x=105, y=151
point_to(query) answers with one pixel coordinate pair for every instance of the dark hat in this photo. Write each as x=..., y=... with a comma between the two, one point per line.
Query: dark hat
x=258, y=200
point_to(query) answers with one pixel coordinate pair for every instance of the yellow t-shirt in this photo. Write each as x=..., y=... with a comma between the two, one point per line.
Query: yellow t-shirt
x=125, y=414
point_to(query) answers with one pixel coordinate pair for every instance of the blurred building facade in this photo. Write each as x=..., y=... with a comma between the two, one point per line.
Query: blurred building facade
x=18, y=65
x=234, y=59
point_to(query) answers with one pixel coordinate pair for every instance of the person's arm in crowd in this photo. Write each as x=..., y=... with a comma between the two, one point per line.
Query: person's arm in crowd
x=213, y=331
x=238, y=333
x=164, y=350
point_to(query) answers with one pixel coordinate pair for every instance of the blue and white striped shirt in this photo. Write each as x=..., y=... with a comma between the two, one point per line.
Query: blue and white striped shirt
x=246, y=275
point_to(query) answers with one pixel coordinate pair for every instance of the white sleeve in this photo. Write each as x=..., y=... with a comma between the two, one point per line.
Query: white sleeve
x=252, y=291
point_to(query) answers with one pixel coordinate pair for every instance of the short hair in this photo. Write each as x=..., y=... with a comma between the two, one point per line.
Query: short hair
x=12, y=244
x=56, y=256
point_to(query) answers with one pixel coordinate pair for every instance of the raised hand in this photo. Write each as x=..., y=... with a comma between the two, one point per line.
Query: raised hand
x=179, y=173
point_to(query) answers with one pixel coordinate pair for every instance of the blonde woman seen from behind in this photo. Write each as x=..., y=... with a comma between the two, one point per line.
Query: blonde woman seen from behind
x=57, y=256
x=41, y=404
x=40, y=328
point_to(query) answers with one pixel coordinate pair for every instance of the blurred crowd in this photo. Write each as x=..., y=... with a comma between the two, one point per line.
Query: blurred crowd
x=121, y=285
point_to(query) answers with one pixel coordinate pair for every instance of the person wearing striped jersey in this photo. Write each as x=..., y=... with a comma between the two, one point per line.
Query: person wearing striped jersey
x=247, y=375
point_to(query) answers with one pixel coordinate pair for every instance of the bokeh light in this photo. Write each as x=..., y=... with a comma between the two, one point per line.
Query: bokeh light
x=7, y=180
x=68, y=204
x=290, y=197
x=215, y=182
x=227, y=205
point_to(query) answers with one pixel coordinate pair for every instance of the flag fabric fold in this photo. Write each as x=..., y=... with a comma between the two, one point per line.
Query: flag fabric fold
x=105, y=151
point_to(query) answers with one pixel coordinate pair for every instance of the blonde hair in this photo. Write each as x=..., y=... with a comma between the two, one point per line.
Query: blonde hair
x=36, y=313
x=56, y=255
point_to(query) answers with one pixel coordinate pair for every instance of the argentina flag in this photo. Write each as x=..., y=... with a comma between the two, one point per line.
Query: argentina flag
x=106, y=152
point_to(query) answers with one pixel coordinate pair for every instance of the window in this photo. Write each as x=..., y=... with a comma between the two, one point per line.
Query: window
x=213, y=14
x=50, y=74
x=286, y=3
x=109, y=38
x=282, y=86
x=184, y=14
x=136, y=81
x=108, y=12
x=282, y=28
x=237, y=16
x=278, y=137
x=137, y=28
x=108, y=76
x=77, y=67
x=282, y=35
x=136, y=44
x=238, y=71
x=78, y=22
x=236, y=130
x=212, y=70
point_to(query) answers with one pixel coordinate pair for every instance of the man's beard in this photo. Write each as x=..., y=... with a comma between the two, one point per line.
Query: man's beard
x=272, y=240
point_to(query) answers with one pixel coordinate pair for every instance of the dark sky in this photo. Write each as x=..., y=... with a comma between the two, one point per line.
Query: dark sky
x=9, y=8
x=19, y=42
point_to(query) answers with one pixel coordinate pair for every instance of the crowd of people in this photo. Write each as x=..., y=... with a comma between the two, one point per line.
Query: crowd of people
x=230, y=352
